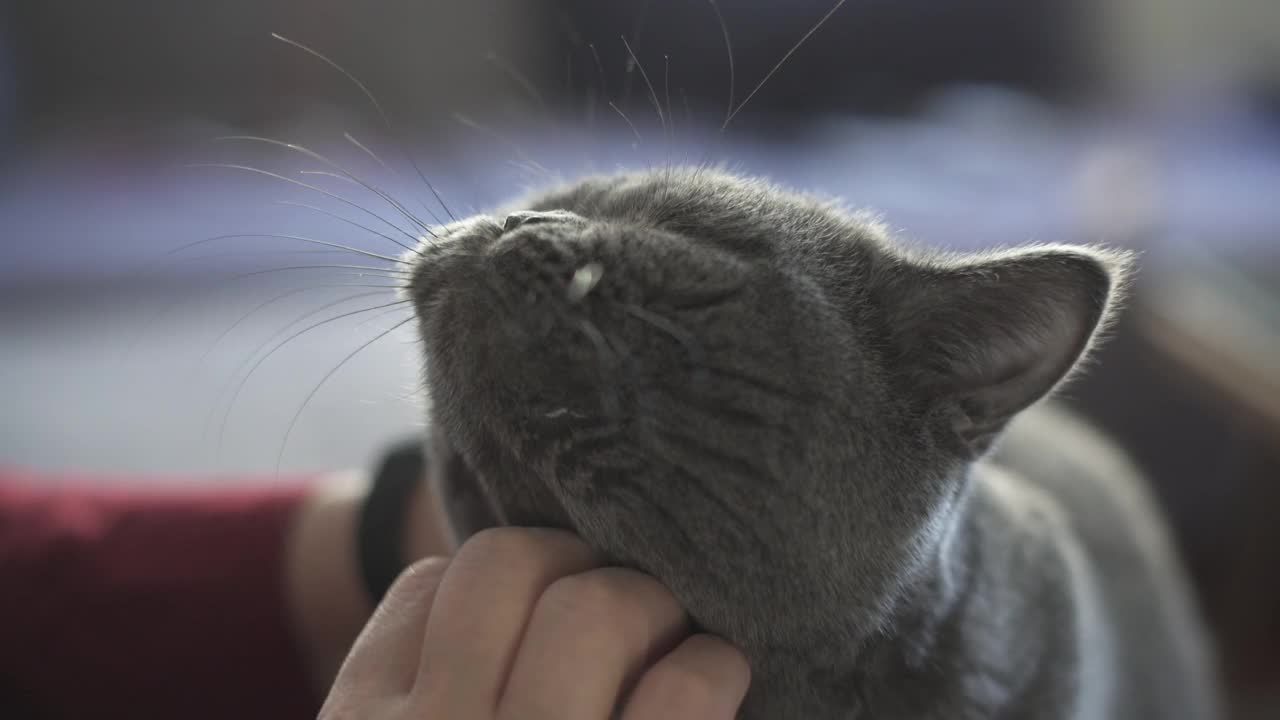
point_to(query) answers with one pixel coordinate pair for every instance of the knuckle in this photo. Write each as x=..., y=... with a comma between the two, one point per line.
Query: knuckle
x=591, y=599
x=497, y=540
x=513, y=545
x=735, y=663
x=335, y=710
x=357, y=707
x=679, y=686
x=698, y=679
x=592, y=602
x=418, y=580
x=421, y=575
x=614, y=602
x=341, y=712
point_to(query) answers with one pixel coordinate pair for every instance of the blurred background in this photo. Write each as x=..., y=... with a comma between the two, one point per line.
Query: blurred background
x=1152, y=124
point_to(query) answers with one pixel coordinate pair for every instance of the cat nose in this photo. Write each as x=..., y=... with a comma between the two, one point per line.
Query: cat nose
x=530, y=217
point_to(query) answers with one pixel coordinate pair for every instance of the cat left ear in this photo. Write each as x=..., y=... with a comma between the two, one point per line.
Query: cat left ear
x=980, y=339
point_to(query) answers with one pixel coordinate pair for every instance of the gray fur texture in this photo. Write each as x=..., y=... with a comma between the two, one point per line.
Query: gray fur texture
x=816, y=438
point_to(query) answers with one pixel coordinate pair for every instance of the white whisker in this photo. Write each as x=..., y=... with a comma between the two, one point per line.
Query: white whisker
x=345, y=173
x=784, y=59
x=298, y=238
x=386, y=120
x=299, y=183
x=292, y=423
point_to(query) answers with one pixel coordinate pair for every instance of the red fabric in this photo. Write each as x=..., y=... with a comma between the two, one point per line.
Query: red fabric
x=138, y=603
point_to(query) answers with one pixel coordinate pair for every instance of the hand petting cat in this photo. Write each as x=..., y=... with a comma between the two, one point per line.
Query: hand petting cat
x=528, y=624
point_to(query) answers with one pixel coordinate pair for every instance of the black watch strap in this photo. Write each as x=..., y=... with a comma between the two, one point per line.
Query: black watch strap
x=380, y=535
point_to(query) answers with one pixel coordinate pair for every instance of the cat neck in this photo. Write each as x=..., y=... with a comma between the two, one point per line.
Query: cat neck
x=907, y=661
x=967, y=632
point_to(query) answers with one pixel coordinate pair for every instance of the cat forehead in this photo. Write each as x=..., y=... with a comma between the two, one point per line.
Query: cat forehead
x=699, y=199
x=748, y=217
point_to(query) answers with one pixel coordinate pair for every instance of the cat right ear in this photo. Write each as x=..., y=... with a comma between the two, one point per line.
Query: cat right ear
x=978, y=339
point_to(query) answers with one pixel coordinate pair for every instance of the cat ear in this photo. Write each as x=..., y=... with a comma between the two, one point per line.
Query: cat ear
x=981, y=338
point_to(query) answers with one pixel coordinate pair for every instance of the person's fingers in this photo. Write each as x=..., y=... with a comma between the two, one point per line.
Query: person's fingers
x=480, y=613
x=590, y=635
x=384, y=658
x=705, y=678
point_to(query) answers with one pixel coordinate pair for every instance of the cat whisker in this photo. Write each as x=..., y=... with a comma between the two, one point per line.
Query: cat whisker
x=192, y=259
x=322, y=191
x=413, y=219
x=244, y=380
x=389, y=273
x=634, y=131
x=351, y=139
x=630, y=68
x=166, y=264
x=620, y=349
x=693, y=350
x=520, y=79
x=728, y=45
x=653, y=94
x=383, y=314
x=597, y=90
x=671, y=123
x=515, y=147
x=336, y=216
x=595, y=54
x=248, y=358
x=376, y=105
x=299, y=238
x=535, y=171
x=293, y=423
x=267, y=303
x=781, y=62
x=328, y=174
x=610, y=402
x=338, y=176
x=386, y=120
x=666, y=90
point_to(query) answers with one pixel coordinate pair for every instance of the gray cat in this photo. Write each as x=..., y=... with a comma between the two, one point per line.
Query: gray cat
x=816, y=439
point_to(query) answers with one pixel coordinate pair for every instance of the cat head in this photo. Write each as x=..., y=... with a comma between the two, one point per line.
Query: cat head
x=753, y=395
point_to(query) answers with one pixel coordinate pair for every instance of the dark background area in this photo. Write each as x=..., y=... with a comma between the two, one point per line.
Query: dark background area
x=1152, y=124
x=81, y=61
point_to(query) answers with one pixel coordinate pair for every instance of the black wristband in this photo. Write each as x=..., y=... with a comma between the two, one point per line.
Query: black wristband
x=381, y=530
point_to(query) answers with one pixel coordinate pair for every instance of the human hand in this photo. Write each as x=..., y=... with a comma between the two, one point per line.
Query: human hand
x=525, y=624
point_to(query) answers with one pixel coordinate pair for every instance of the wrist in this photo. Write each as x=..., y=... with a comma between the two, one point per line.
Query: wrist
x=326, y=592
x=328, y=602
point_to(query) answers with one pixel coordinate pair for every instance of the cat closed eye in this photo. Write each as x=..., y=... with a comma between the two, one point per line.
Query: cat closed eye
x=531, y=217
